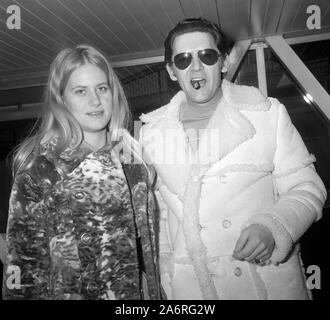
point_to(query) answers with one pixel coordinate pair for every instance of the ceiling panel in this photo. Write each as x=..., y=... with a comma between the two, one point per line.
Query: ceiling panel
x=144, y=25
x=209, y=10
x=258, y=13
x=117, y=30
x=326, y=12
x=133, y=21
x=299, y=18
x=288, y=15
x=37, y=15
x=173, y=10
x=9, y=62
x=159, y=16
x=70, y=14
x=272, y=15
x=226, y=14
x=127, y=30
x=191, y=8
x=23, y=57
x=242, y=14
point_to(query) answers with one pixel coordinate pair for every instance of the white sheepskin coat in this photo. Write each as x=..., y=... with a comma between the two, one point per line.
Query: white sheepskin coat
x=255, y=170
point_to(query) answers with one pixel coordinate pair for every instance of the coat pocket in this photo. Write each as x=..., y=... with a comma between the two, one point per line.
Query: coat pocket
x=285, y=281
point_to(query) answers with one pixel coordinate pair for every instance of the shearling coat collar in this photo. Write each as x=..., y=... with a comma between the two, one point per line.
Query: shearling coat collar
x=232, y=127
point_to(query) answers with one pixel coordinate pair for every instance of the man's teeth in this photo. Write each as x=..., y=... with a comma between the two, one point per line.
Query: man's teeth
x=198, y=83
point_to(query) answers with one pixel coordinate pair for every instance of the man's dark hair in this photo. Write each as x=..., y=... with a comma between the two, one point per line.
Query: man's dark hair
x=193, y=25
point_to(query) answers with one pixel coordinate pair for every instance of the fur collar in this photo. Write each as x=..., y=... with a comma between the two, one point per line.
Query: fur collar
x=227, y=119
x=241, y=97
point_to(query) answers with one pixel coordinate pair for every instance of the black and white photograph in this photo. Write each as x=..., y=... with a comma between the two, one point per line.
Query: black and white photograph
x=168, y=150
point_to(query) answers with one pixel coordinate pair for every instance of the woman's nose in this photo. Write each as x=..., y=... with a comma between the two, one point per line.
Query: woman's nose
x=94, y=99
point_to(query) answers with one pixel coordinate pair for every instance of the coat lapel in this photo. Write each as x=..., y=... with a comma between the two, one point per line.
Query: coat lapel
x=166, y=141
x=228, y=128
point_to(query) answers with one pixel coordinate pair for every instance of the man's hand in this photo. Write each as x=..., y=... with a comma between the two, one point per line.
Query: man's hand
x=255, y=244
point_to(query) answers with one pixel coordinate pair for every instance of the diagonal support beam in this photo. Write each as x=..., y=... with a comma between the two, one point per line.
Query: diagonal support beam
x=300, y=72
x=27, y=111
x=236, y=57
x=261, y=69
x=2, y=247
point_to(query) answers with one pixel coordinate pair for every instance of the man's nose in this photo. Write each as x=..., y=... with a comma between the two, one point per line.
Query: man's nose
x=196, y=63
x=94, y=99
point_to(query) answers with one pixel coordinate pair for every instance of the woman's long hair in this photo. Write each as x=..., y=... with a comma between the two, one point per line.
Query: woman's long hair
x=56, y=120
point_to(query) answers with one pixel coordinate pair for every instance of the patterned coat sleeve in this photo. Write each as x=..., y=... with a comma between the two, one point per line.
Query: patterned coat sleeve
x=26, y=271
x=165, y=249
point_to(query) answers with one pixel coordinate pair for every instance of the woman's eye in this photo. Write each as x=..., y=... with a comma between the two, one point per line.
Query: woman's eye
x=103, y=89
x=80, y=92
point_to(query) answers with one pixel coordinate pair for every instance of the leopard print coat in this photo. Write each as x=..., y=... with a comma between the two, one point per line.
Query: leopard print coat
x=82, y=227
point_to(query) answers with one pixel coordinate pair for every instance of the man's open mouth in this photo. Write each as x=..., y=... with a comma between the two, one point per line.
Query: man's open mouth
x=198, y=83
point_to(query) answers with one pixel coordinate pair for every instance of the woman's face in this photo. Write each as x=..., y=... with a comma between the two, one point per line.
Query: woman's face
x=88, y=97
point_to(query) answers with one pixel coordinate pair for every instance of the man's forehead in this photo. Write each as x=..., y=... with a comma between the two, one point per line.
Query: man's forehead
x=193, y=41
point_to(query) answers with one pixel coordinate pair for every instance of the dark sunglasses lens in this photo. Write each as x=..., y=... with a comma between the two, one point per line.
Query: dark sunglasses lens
x=208, y=56
x=182, y=60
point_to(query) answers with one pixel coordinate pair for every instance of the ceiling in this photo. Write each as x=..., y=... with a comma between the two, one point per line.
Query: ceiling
x=132, y=32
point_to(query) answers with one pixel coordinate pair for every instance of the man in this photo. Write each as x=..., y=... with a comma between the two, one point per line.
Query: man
x=236, y=184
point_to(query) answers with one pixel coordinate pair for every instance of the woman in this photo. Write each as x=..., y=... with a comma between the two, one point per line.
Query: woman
x=81, y=222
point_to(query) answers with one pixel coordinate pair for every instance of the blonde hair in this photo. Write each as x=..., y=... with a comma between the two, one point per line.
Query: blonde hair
x=56, y=120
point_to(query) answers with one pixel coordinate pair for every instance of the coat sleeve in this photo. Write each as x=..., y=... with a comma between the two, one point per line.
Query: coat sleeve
x=26, y=270
x=299, y=191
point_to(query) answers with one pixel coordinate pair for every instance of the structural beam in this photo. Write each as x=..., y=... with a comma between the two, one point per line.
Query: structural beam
x=301, y=73
x=26, y=111
x=261, y=69
x=308, y=38
x=2, y=247
x=236, y=57
x=29, y=78
x=128, y=60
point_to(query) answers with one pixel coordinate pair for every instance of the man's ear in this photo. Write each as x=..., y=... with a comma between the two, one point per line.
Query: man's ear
x=170, y=72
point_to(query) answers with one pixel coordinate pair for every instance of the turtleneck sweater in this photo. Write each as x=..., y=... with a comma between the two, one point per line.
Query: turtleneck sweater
x=195, y=119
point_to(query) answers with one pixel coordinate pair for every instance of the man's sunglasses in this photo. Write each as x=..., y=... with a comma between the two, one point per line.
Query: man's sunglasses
x=207, y=56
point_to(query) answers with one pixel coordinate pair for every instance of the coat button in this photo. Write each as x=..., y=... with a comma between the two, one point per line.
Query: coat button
x=66, y=211
x=226, y=224
x=223, y=178
x=92, y=287
x=86, y=238
x=79, y=195
x=238, y=272
x=202, y=226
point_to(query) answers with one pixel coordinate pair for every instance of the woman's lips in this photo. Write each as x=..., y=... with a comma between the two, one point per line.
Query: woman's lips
x=96, y=114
